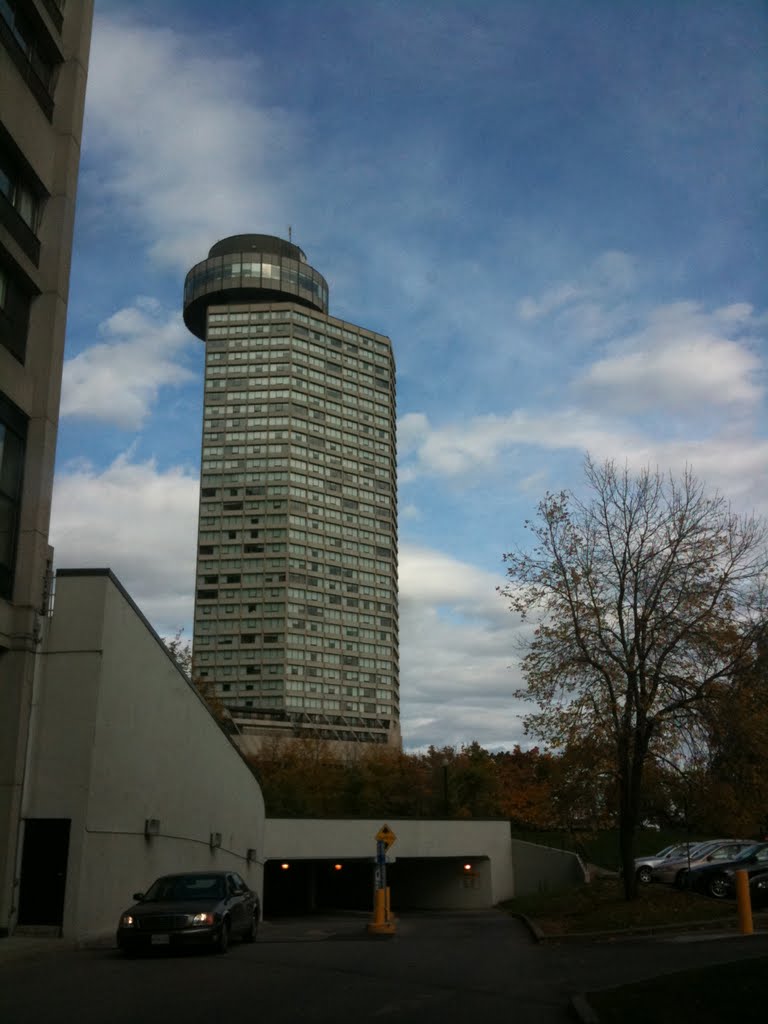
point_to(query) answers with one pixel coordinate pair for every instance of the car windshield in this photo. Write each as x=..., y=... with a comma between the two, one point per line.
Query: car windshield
x=751, y=851
x=682, y=850
x=703, y=848
x=667, y=850
x=180, y=888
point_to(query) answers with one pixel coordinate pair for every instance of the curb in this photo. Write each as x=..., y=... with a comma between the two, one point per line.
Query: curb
x=582, y=1010
x=724, y=928
x=532, y=927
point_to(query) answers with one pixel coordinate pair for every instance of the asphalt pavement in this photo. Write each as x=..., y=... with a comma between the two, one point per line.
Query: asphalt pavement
x=445, y=968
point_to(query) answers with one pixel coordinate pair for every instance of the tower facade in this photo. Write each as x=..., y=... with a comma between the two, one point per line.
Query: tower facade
x=296, y=617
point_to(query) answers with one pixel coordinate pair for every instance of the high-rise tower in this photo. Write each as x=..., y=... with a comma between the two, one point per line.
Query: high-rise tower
x=296, y=620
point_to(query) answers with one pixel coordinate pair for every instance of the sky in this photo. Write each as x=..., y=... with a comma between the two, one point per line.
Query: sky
x=556, y=211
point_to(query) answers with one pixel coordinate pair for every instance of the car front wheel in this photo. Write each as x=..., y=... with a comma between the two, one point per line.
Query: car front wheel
x=249, y=935
x=644, y=875
x=221, y=943
x=718, y=887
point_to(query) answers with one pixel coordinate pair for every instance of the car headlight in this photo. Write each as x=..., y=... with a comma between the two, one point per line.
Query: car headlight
x=762, y=884
x=202, y=919
x=128, y=921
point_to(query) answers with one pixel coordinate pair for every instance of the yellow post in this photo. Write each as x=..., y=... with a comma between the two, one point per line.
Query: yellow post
x=744, y=903
x=379, y=907
x=388, y=906
x=382, y=923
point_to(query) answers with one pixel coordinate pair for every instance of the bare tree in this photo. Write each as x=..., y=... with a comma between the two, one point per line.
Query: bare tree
x=180, y=649
x=648, y=595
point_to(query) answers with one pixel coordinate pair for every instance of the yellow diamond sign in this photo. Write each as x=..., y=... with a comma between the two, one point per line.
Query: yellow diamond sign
x=386, y=835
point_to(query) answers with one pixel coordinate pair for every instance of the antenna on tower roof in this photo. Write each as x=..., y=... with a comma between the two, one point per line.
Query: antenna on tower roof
x=290, y=231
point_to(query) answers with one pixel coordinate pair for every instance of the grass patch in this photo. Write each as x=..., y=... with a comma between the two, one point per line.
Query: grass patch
x=710, y=995
x=600, y=906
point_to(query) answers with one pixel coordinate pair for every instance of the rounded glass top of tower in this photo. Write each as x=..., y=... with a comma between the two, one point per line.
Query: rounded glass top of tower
x=251, y=268
x=257, y=243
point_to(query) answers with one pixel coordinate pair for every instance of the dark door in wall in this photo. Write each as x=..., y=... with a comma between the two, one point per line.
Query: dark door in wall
x=43, y=871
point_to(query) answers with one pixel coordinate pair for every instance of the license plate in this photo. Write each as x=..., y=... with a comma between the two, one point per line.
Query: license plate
x=160, y=940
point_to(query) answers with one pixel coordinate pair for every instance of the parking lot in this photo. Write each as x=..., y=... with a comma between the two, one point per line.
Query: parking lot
x=438, y=968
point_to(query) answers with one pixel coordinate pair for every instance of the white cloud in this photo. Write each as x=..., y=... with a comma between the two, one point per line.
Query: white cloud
x=412, y=512
x=611, y=273
x=411, y=431
x=459, y=657
x=736, y=463
x=684, y=359
x=432, y=578
x=183, y=150
x=699, y=373
x=737, y=466
x=531, y=309
x=118, y=380
x=138, y=521
x=615, y=270
x=478, y=443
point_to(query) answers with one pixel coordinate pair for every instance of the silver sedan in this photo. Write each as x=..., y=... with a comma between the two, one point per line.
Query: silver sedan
x=673, y=871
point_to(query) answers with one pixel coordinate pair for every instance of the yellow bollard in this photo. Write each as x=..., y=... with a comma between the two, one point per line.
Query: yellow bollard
x=390, y=917
x=379, y=907
x=383, y=923
x=744, y=903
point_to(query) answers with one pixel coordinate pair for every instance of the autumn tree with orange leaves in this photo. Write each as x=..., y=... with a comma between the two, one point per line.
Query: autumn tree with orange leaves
x=648, y=594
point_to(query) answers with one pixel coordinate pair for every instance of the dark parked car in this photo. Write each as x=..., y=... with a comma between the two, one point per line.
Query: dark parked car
x=758, y=890
x=197, y=908
x=718, y=879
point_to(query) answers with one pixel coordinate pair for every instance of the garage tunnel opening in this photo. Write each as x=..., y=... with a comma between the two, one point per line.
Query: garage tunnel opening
x=300, y=887
x=314, y=886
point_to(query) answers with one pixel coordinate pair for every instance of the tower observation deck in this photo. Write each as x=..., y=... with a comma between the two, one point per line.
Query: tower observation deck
x=251, y=268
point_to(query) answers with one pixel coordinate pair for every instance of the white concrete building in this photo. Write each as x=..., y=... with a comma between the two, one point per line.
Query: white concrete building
x=129, y=777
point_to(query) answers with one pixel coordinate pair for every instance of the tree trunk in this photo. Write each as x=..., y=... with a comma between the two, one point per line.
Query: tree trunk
x=627, y=850
x=630, y=788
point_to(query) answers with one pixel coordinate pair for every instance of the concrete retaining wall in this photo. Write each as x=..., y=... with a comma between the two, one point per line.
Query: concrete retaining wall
x=538, y=868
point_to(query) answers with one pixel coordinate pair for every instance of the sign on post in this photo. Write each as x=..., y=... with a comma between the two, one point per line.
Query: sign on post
x=383, y=922
x=386, y=835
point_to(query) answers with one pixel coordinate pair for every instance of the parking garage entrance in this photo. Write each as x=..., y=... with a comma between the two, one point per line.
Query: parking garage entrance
x=307, y=886
x=424, y=883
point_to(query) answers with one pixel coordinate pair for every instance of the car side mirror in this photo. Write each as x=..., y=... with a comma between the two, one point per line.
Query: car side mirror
x=138, y=896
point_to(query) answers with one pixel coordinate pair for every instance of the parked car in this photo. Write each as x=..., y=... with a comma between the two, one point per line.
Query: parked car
x=194, y=908
x=718, y=879
x=758, y=890
x=644, y=865
x=673, y=871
